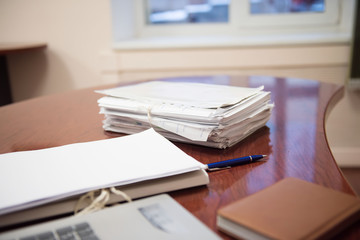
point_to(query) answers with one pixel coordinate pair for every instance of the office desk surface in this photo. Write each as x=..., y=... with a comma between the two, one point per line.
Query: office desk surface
x=294, y=139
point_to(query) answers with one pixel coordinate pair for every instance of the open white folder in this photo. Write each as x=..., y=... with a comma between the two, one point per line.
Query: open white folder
x=32, y=178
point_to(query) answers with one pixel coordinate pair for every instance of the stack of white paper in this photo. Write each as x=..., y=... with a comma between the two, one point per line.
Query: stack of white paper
x=205, y=114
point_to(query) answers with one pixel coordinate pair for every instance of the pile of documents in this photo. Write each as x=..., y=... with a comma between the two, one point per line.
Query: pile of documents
x=206, y=114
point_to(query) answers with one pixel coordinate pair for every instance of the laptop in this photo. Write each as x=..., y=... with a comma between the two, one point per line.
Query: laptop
x=156, y=217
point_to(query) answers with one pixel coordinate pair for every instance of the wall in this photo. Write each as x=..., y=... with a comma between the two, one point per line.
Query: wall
x=75, y=31
x=79, y=55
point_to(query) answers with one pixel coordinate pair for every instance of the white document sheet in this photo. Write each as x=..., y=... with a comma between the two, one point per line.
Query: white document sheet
x=30, y=178
x=191, y=94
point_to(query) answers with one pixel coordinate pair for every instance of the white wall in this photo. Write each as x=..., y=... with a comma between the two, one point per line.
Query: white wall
x=75, y=31
x=80, y=54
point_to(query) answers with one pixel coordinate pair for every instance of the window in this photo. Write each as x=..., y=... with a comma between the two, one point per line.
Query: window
x=199, y=17
x=199, y=23
x=289, y=13
x=286, y=7
x=217, y=11
x=190, y=11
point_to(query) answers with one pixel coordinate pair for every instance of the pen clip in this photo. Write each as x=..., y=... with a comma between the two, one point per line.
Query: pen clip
x=217, y=169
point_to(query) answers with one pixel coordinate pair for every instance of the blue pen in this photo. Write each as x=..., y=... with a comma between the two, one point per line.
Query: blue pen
x=233, y=162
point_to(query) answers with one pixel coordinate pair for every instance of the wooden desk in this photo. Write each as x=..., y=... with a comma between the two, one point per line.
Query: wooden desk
x=10, y=48
x=294, y=140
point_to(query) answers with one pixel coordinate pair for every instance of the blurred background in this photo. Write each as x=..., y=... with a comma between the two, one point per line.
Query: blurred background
x=92, y=43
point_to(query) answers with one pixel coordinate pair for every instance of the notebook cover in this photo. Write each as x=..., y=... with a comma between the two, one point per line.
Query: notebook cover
x=293, y=209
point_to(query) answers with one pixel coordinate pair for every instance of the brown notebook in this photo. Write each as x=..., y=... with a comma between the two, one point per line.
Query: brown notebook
x=290, y=209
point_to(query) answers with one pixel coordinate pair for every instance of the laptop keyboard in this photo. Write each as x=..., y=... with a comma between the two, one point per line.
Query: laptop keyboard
x=81, y=231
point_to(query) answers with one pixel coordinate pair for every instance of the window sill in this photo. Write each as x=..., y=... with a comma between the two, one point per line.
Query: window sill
x=226, y=41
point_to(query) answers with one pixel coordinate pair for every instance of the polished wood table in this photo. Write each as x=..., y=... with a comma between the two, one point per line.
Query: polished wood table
x=294, y=139
x=6, y=49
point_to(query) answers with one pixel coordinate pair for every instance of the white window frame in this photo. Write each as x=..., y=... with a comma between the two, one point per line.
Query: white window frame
x=334, y=25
